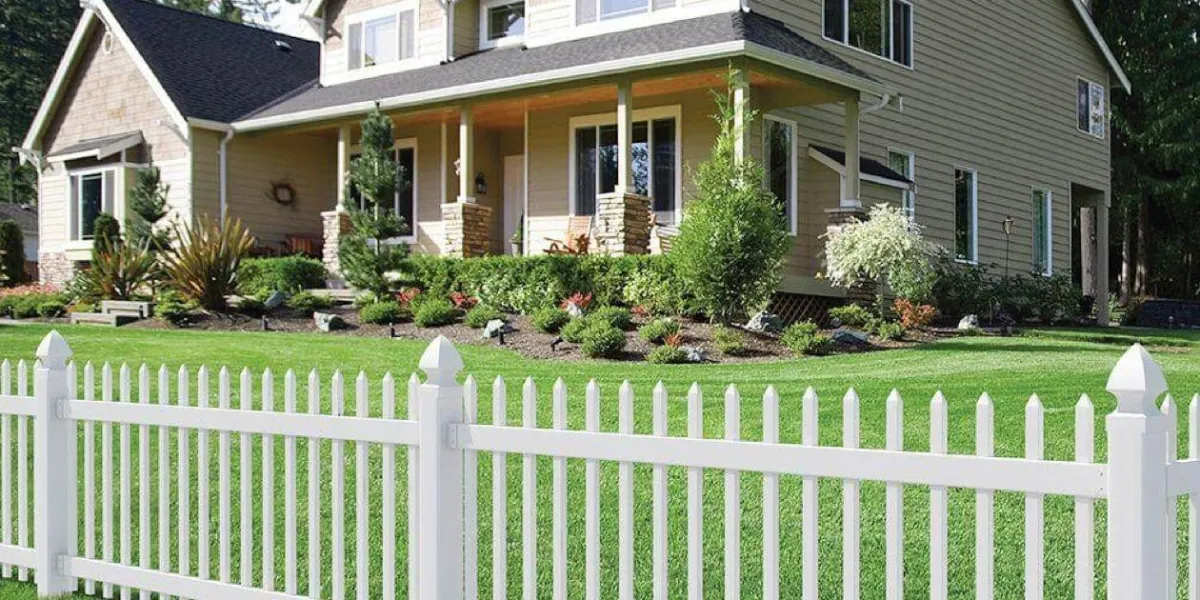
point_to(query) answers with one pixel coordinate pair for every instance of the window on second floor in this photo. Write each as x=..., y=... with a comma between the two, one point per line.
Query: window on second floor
x=1090, y=110
x=381, y=36
x=881, y=27
x=502, y=21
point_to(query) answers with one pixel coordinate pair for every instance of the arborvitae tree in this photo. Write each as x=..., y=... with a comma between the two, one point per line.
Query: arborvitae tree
x=106, y=233
x=12, y=252
x=365, y=256
x=147, y=207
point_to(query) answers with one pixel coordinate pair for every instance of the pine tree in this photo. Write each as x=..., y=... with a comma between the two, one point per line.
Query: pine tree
x=148, y=206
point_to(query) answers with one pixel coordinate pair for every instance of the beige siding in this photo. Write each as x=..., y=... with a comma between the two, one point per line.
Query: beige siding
x=543, y=17
x=993, y=89
x=430, y=33
x=466, y=27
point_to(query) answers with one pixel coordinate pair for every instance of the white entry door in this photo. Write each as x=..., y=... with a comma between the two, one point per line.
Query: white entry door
x=514, y=195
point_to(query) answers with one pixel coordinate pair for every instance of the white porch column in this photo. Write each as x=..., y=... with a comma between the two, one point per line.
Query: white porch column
x=343, y=165
x=851, y=189
x=1101, y=254
x=741, y=106
x=466, y=155
x=624, y=137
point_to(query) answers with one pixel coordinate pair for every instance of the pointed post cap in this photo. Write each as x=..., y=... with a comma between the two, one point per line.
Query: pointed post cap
x=441, y=362
x=1137, y=382
x=54, y=352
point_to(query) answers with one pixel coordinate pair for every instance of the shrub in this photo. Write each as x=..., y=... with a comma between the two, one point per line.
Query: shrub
x=308, y=302
x=203, y=263
x=601, y=340
x=22, y=302
x=26, y=307
x=573, y=330
x=1133, y=310
x=657, y=290
x=657, y=331
x=82, y=307
x=852, y=315
x=118, y=272
x=435, y=313
x=913, y=316
x=614, y=315
x=733, y=237
x=12, y=253
x=550, y=320
x=51, y=308
x=251, y=306
x=802, y=338
x=888, y=248
x=288, y=274
x=463, y=302
x=962, y=289
x=478, y=317
x=579, y=300
x=106, y=232
x=172, y=307
x=729, y=342
x=890, y=331
x=382, y=313
x=666, y=355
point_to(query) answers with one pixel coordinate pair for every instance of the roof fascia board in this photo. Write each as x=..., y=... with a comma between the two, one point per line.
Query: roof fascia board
x=826, y=160
x=53, y=93
x=624, y=65
x=209, y=124
x=1090, y=24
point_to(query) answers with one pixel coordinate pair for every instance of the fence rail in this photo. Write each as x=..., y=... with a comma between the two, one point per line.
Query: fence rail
x=429, y=499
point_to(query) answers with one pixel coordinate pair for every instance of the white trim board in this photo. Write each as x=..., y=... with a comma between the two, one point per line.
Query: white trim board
x=97, y=8
x=822, y=158
x=794, y=180
x=1090, y=25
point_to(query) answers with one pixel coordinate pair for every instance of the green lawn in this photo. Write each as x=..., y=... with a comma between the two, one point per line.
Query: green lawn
x=1058, y=365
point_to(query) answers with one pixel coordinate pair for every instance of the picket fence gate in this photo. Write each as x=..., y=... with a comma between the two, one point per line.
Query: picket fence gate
x=1140, y=482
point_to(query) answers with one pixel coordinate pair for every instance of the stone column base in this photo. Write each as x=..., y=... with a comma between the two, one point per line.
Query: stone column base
x=466, y=229
x=55, y=268
x=622, y=224
x=335, y=223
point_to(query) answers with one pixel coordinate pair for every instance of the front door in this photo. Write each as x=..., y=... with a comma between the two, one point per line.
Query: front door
x=514, y=195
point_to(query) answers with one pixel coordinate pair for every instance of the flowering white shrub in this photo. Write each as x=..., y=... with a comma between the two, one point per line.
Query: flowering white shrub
x=887, y=248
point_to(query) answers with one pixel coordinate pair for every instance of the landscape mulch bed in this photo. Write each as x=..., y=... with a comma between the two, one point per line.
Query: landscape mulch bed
x=525, y=340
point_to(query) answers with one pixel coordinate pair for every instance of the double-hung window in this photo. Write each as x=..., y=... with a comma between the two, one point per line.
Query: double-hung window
x=92, y=193
x=591, y=11
x=779, y=156
x=881, y=27
x=1042, y=231
x=966, y=215
x=904, y=164
x=1090, y=108
x=381, y=36
x=502, y=21
x=655, y=157
x=404, y=205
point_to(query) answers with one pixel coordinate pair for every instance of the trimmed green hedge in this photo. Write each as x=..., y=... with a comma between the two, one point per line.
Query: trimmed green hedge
x=289, y=274
x=525, y=284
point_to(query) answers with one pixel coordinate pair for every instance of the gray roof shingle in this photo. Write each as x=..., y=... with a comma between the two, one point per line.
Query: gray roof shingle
x=118, y=141
x=867, y=166
x=25, y=215
x=516, y=61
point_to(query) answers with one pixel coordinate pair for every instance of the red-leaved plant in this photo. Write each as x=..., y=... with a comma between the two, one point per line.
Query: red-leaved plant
x=639, y=311
x=578, y=299
x=914, y=316
x=674, y=340
x=462, y=301
x=407, y=295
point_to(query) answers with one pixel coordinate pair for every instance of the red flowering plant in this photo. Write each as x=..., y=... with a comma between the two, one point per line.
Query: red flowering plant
x=579, y=300
x=407, y=295
x=640, y=311
x=29, y=289
x=674, y=340
x=463, y=302
x=914, y=316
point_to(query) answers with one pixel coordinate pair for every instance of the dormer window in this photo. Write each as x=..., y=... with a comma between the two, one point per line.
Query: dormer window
x=502, y=22
x=383, y=36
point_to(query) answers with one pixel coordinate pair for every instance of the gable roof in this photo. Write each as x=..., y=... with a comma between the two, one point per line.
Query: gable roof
x=101, y=147
x=702, y=38
x=1085, y=14
x=25, y=215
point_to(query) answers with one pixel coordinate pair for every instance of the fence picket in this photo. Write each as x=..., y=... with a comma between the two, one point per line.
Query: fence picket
x=1085, y=526
x=810, y=509
x=1193, y=501
x=1171, y=412
x=314, y=492
x=499, y=496
x=246, y=454
x=89, y=479
x=660, y=497
x=290, y=556
x=6, y=519
x=733, y=500
x=184, y=513
x=389, y=493
x=695, y=499
x=851, y=495
x=126, y=482
x=895, y=502
x=985, y=524
x=625, y=498
x=1034, y=518
x=143, y=479
x=23, y=466
x=268, y=486
x=529, y=497
x=560, y=496
x=413, y=454
x=338, y=503
x=164, y=476
x=203, y=400
x=770, y=500
x=939, y=503
x=224, y=512
x=106, y=477
x=362, y=485
x=470, y=496
x=592, y=492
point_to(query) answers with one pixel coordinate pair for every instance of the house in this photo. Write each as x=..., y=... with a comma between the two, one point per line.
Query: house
x=520, y=114
x=26, y=217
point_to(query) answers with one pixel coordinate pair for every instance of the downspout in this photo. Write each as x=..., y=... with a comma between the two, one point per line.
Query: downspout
x=883, y=101
x=223, y=160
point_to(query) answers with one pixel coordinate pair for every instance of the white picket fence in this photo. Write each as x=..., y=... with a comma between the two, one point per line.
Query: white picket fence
x=441, y=440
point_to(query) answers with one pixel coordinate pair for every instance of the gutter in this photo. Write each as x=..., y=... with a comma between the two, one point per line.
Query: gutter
x=222, y=159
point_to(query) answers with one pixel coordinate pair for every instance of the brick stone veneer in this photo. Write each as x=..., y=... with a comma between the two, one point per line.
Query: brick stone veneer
x=862, y=292
x=335, y=223
x=466, y=229
x=622, y=224
x=55, y=268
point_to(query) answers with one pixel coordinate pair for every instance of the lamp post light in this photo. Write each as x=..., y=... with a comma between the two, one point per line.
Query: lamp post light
x=1007, y=227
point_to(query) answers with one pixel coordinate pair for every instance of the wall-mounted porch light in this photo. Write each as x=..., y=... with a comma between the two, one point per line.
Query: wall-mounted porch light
x=480, y=183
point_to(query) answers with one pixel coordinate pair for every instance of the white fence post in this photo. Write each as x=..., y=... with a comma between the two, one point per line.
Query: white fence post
x=1137, y=480
x=53, y=468
x=440, y=500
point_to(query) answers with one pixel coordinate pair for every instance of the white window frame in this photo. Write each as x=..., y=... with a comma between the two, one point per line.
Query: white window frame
x=1049, y=200
x=646, y=114
x=1092, y=85
x=393, y=11
x=845, y=41
x=794, y=185
x=74, y=206
x=512, y=40
x=974, y=258
x=908, y=196
x=404, y=144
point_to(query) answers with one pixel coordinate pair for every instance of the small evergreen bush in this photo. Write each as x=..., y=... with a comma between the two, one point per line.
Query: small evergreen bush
x=658, y=330
x=478, y=317
x=666, y=355
x=435, y=313
x=382, y=313
x=550, y=319
x=308, y=302
x=573, y=331
x=602, y=340
x=251, y=307
x=890, y=331
x=288, y=274
x=729, y=342
x=803, y=338
x=51, y=308
x=12, y=253
x=852, y=315
x=613, y=315
x=170, y=306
